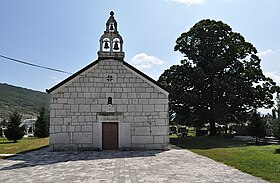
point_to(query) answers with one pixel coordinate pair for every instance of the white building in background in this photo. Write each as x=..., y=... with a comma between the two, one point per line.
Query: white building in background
x=29, y=126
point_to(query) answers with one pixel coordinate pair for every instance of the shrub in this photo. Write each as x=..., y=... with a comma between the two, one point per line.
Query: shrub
x=14, y=132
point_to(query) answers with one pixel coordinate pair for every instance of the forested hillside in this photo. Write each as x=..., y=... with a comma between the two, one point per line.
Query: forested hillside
x=27, y=102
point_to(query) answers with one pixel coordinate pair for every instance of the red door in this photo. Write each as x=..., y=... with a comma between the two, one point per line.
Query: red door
x=110, y=137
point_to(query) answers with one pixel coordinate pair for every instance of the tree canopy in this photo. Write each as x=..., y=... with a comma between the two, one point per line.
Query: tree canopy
x=220, y=79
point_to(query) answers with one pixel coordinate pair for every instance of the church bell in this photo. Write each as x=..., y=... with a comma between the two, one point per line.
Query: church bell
x=116, y=46
x=106, y=46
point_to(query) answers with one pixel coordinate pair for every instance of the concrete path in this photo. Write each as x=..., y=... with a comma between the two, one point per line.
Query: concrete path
x=118, y=167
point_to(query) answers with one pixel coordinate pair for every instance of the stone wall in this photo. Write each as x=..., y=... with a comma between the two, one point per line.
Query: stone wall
x=79, y=107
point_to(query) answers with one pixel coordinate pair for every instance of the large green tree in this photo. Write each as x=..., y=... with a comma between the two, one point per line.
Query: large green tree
x=42, y=124
x=14, y=131
x=220, y=79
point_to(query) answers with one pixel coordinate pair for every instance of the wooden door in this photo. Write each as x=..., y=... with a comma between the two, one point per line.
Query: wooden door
x=110, y=136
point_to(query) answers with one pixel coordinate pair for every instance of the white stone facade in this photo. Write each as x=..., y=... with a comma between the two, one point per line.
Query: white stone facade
x=79, y=106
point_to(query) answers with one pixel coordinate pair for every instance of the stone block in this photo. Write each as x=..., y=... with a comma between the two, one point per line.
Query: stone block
x=126, y=90
x=131, y=95
x=143, y=101
x=142, y=131
x=81, y=118
x=57, y=121
x=84, y=108
x=78, y=128
x=66, y=121
x=125, y=135
x=72, y=89
x=159, y=107
x=142, y=139
x=80, y=101
x=87, y=95
x=74, y=108
x=158, y=101
x=128, y=119
x=145, y=95
x=149, y=90
x=82, y=137
x=95, y=108
x=63, y=128
x=71, y=101
x=117, y=90
x=160, y=130
x=154, y=95
x=56, y=106
x=60, y=112
x=160, y=122
x=140, y=119
x=51, y=129
x=57, y=129
x=121, y=108
x=144, y=85
x=158, y=139
x=87, y=128
x=135, y=108
x=162, y=114
x=148, y=108
x=74, y=95
x=80, y=95
x=52, y=113
x=59, y=138
x=140, y=89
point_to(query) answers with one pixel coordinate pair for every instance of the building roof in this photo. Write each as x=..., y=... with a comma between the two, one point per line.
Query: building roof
x=96, y=62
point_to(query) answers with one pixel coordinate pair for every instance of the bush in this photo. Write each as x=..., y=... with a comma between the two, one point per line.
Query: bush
x=14, y=132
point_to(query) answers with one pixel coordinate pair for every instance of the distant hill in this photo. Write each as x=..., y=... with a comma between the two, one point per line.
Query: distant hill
x=27, y=102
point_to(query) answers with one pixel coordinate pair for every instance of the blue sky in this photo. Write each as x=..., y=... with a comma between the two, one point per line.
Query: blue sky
x=64, y=34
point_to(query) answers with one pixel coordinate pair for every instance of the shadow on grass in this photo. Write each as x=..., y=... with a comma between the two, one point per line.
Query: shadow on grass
x=7, y=142
x=211, y=142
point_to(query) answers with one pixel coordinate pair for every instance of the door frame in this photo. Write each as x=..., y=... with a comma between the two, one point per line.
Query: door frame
x=105, y=118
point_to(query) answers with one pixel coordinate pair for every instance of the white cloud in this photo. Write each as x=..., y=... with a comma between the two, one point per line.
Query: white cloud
x=264, y=53
x=142, y=60
x=188, y=2
x=273, y=75
x=55, y=79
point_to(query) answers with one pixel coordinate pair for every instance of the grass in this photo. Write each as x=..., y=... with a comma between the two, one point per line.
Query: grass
x=23, y=145
x=258, y=160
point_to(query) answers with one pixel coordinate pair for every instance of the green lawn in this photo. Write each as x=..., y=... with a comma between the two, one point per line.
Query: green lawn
x=25, y=144
x=258, y=160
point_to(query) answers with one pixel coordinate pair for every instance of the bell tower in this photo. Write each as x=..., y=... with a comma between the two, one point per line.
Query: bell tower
x=111, y=43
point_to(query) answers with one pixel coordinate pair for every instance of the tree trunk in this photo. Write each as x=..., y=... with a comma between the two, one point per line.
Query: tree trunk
x=213, y=131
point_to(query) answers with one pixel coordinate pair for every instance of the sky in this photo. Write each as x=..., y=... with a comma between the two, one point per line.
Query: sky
x=64, y=34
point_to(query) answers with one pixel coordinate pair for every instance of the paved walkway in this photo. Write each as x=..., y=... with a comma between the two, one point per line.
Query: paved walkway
x=113, y=166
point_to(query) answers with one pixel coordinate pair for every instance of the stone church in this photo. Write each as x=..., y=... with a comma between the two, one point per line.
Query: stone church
x=108, y=104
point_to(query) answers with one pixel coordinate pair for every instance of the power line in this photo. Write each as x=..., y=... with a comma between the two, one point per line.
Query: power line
x=34, y=65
